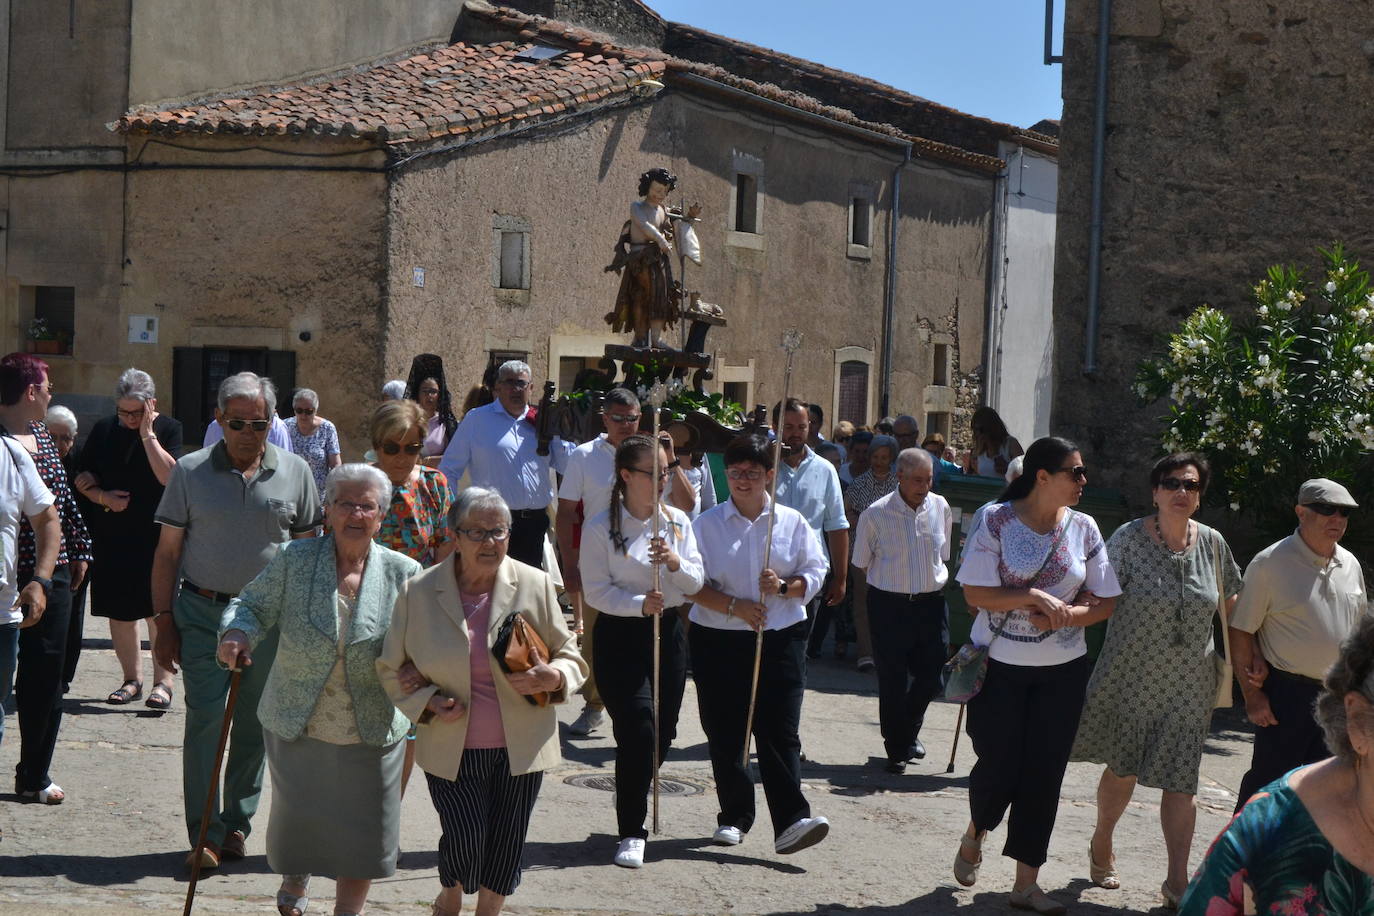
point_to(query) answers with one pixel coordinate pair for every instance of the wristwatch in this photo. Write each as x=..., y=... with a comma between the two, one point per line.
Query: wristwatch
x=45, y=583
x=782, y=588
x=675, y=463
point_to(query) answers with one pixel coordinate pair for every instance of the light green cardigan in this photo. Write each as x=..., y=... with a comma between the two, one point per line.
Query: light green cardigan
x=298, y=594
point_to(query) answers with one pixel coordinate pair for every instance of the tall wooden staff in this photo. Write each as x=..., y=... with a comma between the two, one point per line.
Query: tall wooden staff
x=791, y=342
x=657, y=394
x=235, y=679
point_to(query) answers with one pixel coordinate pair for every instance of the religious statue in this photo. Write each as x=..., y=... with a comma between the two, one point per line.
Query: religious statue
x=650, y=299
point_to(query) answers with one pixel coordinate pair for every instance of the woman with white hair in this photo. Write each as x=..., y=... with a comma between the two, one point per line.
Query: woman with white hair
x=312, y=436
x=334, y=741
x=125, y=463
x=62, y=424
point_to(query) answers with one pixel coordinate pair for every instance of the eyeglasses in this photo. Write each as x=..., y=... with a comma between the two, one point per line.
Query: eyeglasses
x=131, y=414
x=305, y=410
x=1077, y=472
x=366, y=510
x=1176, y=483
x=481, y=534
x=257, y=425
x=1328, y=510
x=516, y=383
x=394, y=448
x=48, y=388
x=622, y=418
x=662, y=475
x=742, y=474
x=430, y=392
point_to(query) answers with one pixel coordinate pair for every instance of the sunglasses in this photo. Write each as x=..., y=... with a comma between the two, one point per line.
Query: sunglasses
x=481, y=534
x=257, y=425
x=1178, y=483
x=1328, y=510
x=394, y=448
x=516, y=383
x=305, y=410
x=1077, y=472
x=622, y=418
x=131, y=414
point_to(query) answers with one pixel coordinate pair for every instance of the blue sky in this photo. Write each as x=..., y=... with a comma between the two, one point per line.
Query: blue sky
x=984, y=57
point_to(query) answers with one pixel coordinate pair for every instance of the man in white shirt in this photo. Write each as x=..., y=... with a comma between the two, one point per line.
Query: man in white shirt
x=496, y=445
x=902, y=543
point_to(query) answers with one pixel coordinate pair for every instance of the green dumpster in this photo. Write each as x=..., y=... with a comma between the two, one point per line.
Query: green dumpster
x=965, y=494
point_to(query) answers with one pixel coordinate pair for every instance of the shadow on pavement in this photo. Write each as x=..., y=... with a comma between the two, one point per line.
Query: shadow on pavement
x=871, y=778
x=597, y=849
x=947, y=899
x=95, y=707
x=108, y=871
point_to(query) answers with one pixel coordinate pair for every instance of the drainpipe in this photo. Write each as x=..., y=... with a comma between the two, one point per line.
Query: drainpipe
x=890, y=293
x=1104, y=21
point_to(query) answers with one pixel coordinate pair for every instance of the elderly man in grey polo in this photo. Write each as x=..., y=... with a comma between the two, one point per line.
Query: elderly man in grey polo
x=226, y=512
x=1299, y=599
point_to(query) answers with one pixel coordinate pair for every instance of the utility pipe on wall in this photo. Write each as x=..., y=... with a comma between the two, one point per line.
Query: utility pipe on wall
x=890, y=293
x=1104, y=21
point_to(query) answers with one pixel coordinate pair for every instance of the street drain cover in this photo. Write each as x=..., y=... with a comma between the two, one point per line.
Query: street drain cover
x=667, y=785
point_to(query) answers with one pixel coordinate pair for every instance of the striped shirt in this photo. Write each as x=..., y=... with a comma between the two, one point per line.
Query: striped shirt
x=905, y=550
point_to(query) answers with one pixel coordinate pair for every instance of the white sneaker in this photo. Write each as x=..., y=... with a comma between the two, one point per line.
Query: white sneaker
x=727, y=836
x=630, y=853
x=806, y=832
x=589, y=721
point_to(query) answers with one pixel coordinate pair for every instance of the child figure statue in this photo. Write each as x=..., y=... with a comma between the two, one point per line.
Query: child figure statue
x=649, y=299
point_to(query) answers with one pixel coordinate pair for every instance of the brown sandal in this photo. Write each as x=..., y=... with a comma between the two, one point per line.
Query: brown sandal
x=124, y=695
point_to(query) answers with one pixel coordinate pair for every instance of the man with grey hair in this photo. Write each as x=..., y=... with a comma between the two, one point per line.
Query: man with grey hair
x=906, y=431
x=394, y=390
x=226, y=511
x=279, y=435
x=1299, y=599
x=495, y=445
x=902, y=542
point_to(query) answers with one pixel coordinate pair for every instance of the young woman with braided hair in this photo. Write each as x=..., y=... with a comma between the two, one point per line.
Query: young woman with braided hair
x=617, y=558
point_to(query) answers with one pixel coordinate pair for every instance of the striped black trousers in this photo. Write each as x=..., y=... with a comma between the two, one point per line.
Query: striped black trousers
x=484, y=814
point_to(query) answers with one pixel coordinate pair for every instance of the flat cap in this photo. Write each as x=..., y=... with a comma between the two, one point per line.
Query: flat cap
x=1321, y=490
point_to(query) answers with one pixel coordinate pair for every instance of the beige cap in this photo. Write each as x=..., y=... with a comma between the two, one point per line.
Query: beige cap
x=1321, y=490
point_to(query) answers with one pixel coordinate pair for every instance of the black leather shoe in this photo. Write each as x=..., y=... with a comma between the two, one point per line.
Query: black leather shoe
x=896, y=767
x=918, y=750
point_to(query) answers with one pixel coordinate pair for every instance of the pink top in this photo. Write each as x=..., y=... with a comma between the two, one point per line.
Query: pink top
x=435, y=439
x=485, y=729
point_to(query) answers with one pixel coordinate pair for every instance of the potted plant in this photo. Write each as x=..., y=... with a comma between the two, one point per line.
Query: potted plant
x=42, y=338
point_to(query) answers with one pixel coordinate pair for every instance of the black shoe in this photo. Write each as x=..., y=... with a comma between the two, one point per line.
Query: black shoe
x=896, y=767
x=917, y=751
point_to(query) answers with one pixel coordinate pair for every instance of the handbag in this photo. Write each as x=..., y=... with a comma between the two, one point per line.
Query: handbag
x=966, y=669
x=514, y=648
x=1222, y=665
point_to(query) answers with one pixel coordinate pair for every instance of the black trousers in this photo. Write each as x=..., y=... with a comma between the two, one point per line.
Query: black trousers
x=722, y=667
x=38, y=685
x=1296, y=739
x=624, y=664
x=910, y=644
x=1022, y=724
x=75, y=632
x=527, y=530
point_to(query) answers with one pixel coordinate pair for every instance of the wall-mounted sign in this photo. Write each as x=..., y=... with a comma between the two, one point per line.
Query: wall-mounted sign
x=143, y=329
x=417, y=276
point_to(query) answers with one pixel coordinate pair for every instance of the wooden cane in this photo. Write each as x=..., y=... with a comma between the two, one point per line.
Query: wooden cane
x=958, y=727
x=235, y=678
x=791, y=342
x=657, y=395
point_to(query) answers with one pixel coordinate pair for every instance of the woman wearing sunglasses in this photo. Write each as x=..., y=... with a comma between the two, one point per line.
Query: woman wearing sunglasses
x=1151, y=695
x=1038, y=573
x=312, y=436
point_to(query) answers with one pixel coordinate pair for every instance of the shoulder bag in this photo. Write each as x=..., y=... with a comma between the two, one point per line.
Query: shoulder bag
x=966, y=670
x=1222, y=664
x=514, y=648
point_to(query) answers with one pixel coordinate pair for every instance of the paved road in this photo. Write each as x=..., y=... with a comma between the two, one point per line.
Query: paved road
x=117, y=845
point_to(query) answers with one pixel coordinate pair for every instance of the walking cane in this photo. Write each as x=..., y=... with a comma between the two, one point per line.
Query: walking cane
x=958, y=727
x=657, y=394
x=235, y=678
x=791, y=342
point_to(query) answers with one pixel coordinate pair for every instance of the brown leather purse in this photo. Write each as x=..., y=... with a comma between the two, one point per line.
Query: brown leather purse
x=515, y=646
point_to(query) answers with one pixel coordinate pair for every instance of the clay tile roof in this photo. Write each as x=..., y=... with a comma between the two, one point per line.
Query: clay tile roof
x=457, y=89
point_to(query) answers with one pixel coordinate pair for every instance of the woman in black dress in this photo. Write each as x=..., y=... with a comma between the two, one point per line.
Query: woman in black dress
x=125, y=463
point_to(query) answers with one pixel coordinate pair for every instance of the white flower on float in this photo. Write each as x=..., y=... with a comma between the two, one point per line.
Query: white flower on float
x=1330, y=286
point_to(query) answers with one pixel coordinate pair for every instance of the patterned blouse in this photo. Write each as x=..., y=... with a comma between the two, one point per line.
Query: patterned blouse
x=416, y=522
x=315, y=448
x=867, y=489
x=76, y=540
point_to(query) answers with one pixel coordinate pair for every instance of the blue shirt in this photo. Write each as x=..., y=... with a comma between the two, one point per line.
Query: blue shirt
x=813, y=489
x=943, y=467
x=498, y=452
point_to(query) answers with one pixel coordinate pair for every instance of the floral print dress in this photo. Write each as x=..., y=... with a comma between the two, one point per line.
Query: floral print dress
x=416, y=522
x=1272, y=859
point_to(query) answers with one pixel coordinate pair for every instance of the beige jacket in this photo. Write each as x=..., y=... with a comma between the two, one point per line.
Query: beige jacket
x=428, y=629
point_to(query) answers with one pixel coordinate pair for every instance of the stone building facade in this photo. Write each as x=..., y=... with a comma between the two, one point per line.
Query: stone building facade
x=1234, y=140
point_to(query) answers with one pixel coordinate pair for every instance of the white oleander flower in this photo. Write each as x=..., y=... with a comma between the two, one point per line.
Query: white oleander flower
x=1330, y=286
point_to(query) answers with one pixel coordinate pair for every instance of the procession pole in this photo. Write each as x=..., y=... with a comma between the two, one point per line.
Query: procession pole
x=657, y=395
x=791, y=342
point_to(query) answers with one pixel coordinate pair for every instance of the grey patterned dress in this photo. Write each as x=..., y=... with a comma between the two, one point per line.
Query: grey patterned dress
x=1150, y=697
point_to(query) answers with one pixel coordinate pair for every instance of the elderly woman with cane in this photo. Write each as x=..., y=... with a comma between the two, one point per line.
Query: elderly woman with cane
x=743, y=598
x=485, y=736
x=633, y=566
x=334, y=740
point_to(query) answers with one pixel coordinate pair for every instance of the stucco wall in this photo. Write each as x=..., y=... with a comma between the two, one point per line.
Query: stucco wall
x=1235, y=141
x=253, y=258
x=575, y=188
x=184, y=49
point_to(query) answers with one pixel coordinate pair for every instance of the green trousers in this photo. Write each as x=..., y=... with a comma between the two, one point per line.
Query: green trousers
x=205, y=687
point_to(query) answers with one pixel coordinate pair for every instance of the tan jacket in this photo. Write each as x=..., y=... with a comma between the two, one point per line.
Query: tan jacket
x=428, y=629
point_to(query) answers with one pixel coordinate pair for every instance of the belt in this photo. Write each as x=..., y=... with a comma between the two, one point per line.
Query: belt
x=528, y=513
x=923, y=596
x=188, y=586
x=1290, y=676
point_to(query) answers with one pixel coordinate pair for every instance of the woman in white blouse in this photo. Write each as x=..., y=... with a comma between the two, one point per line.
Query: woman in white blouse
x=618, y=555
x=1037, y=571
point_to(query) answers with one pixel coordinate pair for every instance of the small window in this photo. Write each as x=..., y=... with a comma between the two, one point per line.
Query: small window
x=513, y=274
x=940, y=373
x=853, y=404
x=737, y=392
x=54, y=319
x=860, y=221
x=746, y=203
x=938, y=423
